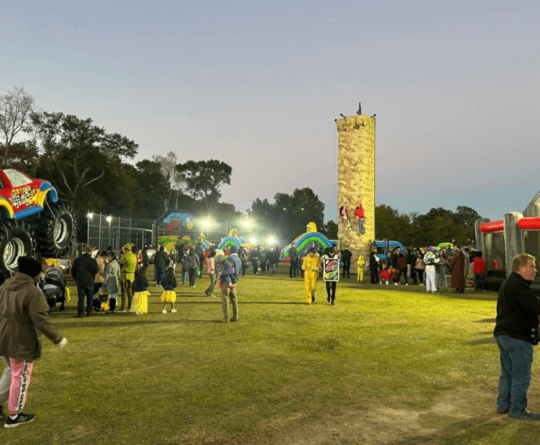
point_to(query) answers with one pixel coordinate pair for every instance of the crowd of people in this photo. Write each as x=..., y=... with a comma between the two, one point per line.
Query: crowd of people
x=123, y=277
x=429, y=267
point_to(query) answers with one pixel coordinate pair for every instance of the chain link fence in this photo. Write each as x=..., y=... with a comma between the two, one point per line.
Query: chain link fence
x=105, y=231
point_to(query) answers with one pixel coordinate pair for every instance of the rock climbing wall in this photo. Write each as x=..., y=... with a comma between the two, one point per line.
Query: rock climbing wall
x=356, y=183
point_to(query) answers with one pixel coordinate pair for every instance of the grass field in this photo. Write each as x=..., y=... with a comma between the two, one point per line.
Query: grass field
x=386, y=365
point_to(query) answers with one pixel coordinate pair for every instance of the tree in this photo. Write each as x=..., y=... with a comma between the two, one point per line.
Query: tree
x=389, y=223
x=15, y=109
x=203, y=179
x=297, y=210
x=76, y=153
x=330, y=230
x=23, y=157
x=168, y=170
x=153, y=189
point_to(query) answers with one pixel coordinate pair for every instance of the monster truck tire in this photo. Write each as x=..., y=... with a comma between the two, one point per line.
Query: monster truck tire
x=15, y=241
x=56, y=229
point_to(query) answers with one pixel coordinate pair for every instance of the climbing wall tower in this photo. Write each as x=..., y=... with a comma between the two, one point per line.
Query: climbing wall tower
x=356, y=184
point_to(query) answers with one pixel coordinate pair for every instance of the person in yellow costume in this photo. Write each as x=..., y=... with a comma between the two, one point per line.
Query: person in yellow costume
x=311, y=267
x=128, y=265
x=360, y=272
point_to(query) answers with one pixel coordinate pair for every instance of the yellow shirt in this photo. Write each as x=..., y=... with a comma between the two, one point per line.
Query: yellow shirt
x=128, y=265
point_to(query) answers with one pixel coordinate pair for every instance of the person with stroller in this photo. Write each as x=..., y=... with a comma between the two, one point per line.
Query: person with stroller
x=111, y=281
x=53, y=285
x=169, y=283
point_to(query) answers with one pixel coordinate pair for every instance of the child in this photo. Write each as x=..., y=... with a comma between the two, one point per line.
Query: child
x=210, y=269
x=392, y=275
x=360, y=272
x=140, y=297
x=169, y=295
x=224, y=270
x=384, y=275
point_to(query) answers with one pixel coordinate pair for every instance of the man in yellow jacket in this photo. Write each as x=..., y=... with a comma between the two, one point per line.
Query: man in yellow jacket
x=128, y=265
x=311, y=266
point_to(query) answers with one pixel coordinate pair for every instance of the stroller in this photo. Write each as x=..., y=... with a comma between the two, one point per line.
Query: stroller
x=53, y=285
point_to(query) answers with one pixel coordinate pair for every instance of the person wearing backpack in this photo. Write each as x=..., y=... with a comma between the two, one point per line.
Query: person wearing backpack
x=169, y=295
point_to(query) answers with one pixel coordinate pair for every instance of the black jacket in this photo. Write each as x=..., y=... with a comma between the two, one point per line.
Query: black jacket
x=161, y=260
x=84, y=270
x=517, y=310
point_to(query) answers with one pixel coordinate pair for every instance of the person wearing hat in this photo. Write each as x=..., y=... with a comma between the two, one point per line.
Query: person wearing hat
x=128, y=266
x=84, y=270
x=23, y=311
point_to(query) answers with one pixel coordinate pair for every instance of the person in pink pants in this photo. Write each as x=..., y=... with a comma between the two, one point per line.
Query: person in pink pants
x=23, y=311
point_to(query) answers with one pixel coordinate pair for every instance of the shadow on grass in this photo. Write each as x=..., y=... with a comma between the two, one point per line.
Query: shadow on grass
x=482, y=341
x=486, y=320
x=141, y=320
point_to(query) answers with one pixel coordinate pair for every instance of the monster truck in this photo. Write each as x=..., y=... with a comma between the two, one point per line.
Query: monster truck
x=33, y=221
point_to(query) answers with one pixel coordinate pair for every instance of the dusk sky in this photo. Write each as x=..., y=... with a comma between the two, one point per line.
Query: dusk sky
x=258, y=84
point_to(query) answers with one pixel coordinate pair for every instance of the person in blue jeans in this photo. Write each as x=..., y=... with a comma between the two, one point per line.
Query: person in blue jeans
x=84, y=270
x=516, y=332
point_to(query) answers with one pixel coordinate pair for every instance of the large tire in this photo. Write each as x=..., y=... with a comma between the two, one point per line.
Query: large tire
x=56, y=229
x=15, y=241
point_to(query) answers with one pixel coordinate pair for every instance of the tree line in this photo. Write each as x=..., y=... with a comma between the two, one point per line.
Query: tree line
x=91, y=169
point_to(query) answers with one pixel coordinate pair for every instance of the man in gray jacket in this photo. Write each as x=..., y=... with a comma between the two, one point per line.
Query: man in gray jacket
x=23, y=309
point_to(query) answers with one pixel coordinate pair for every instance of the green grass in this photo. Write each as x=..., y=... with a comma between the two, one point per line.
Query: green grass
x=280, y=374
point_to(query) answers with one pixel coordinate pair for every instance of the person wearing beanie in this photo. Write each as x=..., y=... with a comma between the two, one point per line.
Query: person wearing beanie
x=23, y=311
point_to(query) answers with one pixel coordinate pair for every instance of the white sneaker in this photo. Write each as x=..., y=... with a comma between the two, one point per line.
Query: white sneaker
x=395, y=284
x=406, y=284
x=164, y=311
x=136, y=313
x=173, y=311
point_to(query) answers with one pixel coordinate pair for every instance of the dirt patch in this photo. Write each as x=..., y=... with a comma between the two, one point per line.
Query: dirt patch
x=379, y=425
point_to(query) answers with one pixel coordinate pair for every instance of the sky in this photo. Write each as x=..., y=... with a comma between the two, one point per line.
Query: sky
x=258, y=84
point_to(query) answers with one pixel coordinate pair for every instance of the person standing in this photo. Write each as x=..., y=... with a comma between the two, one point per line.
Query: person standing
x=192, y=266
x=516, y=332
x=479, y=270
x=84, y=270
x=311, y=267
x=254, y=255
x=374, y=266
x=169, y=295
x=200, y=255
x=293, y=258
x=211, y=274
x=402, y=268
x=346, y=261
x=458, y=271
x=443, y=261
x=430, y=260
x=111, y=281
x=360, y=263
x=229, y=294
x=160, y=263
x=128, y=266
x=419, y=267
x=23, y=311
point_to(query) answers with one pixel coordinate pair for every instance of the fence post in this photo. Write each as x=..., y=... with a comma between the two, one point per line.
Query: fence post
x=99, y=239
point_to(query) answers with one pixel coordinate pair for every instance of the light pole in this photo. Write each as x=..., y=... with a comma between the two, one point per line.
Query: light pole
x=89, y=216
x=109, y=220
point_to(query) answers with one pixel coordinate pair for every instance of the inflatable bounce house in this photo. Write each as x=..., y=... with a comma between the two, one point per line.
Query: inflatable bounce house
x=500, y=241
x=234, y=239
x=303, y=242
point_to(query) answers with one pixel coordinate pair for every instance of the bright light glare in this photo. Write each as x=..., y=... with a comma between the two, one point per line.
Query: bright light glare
x=108, y=219
x=253, y=240
x=247, y=223
x=271, y=241
x=90, y=215
x=206, y=223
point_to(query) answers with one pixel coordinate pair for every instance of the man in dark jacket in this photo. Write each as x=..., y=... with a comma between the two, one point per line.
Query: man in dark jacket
x=516, y=331
x=84, y=270
x=23, y=309
x=293, y=264
x=160, y=263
